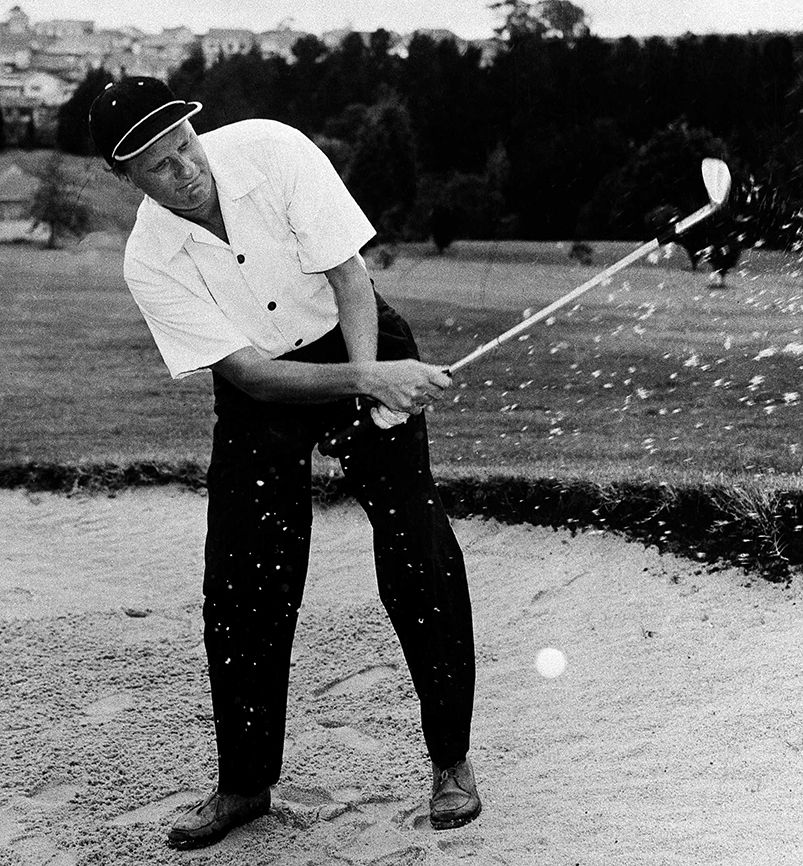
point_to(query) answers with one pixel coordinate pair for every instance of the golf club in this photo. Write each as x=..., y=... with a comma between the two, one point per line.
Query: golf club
x=717, y=180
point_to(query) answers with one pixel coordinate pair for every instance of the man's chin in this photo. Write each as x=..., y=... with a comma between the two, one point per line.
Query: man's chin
x=191, y=205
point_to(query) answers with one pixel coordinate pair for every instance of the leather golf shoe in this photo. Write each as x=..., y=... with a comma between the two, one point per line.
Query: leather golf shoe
x=454, y=796
x=209, y=820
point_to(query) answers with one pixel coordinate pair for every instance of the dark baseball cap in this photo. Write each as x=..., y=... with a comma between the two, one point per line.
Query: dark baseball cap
x=130, y=114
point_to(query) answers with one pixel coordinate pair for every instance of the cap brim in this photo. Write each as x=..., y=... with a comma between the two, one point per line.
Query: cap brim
x=152, y=128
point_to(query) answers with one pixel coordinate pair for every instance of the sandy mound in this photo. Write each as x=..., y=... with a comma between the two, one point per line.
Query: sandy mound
x=673, y=737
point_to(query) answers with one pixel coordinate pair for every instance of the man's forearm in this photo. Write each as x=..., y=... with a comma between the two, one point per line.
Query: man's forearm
x=402, y=386
x=277, y=381
x=356, y=306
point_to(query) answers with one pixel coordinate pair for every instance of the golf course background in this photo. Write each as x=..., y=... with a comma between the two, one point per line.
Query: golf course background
x=657, y=405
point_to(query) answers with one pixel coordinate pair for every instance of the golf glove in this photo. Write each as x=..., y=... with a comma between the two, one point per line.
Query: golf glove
x=385, y=418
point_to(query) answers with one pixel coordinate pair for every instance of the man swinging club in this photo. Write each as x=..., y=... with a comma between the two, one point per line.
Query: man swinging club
x=244, y=260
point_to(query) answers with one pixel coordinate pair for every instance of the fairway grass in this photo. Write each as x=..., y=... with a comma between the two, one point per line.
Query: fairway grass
x=654, y=380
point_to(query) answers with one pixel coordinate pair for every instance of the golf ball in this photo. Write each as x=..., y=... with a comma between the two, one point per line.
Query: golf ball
x=550, y=662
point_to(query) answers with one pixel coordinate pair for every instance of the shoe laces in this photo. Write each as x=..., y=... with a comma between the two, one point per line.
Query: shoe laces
x=202, y=804
x=449, y=771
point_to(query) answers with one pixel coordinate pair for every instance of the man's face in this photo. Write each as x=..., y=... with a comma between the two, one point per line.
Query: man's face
x=174, y=172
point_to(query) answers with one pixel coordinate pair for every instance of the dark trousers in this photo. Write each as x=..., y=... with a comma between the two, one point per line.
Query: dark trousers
x=257, y=550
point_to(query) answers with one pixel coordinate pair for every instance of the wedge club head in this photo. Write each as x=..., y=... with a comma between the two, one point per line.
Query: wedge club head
x=717, y=180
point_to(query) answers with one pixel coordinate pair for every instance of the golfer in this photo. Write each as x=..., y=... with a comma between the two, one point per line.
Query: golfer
x=244, y=260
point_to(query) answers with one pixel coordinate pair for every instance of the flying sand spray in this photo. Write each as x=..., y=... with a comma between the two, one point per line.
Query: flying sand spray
x=550, y=662
x=717, y=180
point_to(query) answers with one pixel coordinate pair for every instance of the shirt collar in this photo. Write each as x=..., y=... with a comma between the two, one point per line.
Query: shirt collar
x=235, y=178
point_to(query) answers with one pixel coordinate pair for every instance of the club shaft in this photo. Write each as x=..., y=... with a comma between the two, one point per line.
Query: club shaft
x=526, y=324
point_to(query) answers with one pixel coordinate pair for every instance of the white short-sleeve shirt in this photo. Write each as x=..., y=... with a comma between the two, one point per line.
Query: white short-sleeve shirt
x=288, y=216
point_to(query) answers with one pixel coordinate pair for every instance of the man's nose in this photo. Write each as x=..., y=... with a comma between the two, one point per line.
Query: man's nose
x=183, y=167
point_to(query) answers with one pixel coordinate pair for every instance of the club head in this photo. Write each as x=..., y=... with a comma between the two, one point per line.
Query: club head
x=717, y=180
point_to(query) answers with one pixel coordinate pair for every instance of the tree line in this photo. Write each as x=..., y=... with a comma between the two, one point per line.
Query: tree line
x=560, y=135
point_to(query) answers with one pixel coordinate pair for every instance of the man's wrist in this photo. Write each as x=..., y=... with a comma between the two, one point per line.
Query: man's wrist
x=363, y=377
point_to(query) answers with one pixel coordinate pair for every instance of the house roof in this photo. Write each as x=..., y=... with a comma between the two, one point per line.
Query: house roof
x=17, y=185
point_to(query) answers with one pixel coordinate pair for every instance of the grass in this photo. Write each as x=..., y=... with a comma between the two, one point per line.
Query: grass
x=655, y=405
x=654, y=376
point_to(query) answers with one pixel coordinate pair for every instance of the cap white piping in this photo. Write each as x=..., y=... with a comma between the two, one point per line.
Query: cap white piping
x=196, y=107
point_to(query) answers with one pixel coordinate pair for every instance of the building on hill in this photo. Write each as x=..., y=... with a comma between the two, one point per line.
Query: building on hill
x=30, y=103
x=279, y=43
x=63, y=28
x=142, y=61
x=17, y=22
x=69, y=48
x=172, y=40
x=73, y=56
x=17, y=191
x=222, y=42
x=16, y=51
x=333, y=39
x=158, y=54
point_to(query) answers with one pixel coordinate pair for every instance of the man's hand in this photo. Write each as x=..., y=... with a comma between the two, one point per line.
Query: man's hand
x=403, y=386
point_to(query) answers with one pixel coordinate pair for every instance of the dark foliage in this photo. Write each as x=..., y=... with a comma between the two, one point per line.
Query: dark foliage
x=382, y=174
x=594, y=133
x=442, y=226
x=72, y=135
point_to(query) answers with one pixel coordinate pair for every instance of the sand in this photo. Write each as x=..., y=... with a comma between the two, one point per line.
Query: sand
x=673, y=737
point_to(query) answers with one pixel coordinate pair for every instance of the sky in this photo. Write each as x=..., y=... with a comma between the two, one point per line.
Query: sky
x=470, y=19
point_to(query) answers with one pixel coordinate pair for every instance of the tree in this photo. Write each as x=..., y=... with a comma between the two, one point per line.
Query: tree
x=442, y=226
x=57, y=203
x=447, y=95
x=72, y=134
x=305, y=108
x=383, y=172
x=241, y=87
x=662, y=183
x=347, y=124
x=664, y=171
x=526, y=18
x=519, y=19
x=346, y=77
x=565, y=18
x=186, y=79
x=382, y=67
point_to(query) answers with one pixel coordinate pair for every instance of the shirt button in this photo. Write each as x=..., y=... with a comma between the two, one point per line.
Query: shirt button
x=299, y=341
x=240, y=258
x=272, y=305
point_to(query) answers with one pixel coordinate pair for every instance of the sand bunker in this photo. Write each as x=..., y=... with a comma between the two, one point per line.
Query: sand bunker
x=673, y=737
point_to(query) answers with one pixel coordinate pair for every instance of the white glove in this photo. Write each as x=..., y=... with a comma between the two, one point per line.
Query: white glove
x=385, y=418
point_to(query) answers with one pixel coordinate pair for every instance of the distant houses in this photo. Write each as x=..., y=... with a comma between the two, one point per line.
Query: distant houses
x=30, y=102
x=41, y=63
x=17, y=190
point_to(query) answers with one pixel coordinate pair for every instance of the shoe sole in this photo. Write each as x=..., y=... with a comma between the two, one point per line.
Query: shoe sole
x=453, y=823
x=188, y=843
